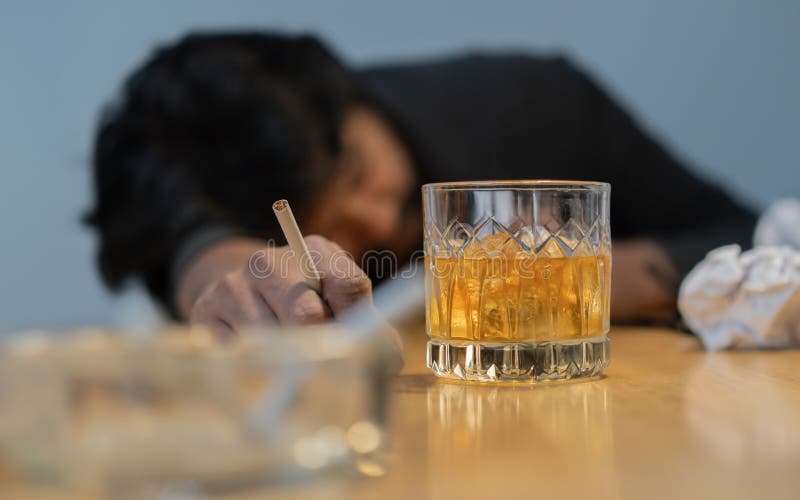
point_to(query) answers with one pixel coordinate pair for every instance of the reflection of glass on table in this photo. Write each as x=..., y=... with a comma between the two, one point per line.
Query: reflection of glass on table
x=517, y=279
x=533, y=441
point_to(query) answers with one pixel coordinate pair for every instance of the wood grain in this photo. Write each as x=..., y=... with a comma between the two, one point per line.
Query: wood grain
x=668, y=420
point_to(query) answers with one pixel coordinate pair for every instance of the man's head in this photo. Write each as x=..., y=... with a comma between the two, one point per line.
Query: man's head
x=213, y=129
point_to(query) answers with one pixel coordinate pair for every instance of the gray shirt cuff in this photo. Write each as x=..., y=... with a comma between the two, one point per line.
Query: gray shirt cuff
x=190, y=248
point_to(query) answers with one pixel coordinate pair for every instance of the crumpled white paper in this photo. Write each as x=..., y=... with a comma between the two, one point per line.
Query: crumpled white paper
x=779, y=225
x=739, y=299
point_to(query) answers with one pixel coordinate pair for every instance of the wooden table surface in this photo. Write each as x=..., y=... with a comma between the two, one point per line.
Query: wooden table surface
x=668, y=420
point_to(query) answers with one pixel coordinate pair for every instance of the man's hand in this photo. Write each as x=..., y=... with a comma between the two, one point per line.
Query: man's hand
x=643, y=282
x=238, y=284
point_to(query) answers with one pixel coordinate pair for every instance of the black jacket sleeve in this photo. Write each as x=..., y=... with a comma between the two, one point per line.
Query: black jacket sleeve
x=653, y=194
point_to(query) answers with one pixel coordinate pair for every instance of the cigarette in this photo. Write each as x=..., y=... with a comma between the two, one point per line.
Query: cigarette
x=298, y=245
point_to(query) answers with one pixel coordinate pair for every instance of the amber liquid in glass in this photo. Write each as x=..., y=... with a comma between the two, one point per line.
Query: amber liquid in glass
x=514, y=296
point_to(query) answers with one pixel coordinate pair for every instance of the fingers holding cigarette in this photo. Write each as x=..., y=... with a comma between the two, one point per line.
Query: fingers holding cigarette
x=311, y=280
x=341, y=283
x=243, y=298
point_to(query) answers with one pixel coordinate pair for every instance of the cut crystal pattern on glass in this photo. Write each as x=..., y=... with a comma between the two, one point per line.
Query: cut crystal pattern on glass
x=535, y=362
x=457, y=236
x=515, y=272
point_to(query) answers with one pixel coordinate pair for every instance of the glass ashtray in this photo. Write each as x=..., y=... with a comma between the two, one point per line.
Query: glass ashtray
x=123, y=416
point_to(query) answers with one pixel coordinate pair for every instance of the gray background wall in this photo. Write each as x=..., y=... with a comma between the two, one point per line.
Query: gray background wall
x=718, y=80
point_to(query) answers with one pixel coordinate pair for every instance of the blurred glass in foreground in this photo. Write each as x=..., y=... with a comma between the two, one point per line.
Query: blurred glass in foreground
x=128, y=417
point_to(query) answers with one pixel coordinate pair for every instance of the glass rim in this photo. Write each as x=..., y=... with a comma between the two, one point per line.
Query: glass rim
x=530, y=184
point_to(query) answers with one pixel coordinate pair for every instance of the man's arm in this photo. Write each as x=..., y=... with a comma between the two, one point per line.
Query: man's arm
x=653, y=194
x=674, y=216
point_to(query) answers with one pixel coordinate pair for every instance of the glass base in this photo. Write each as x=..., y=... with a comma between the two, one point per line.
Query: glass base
x=518, y=361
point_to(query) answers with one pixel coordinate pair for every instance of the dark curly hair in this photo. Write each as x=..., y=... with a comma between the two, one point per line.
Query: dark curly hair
x=197, y=129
